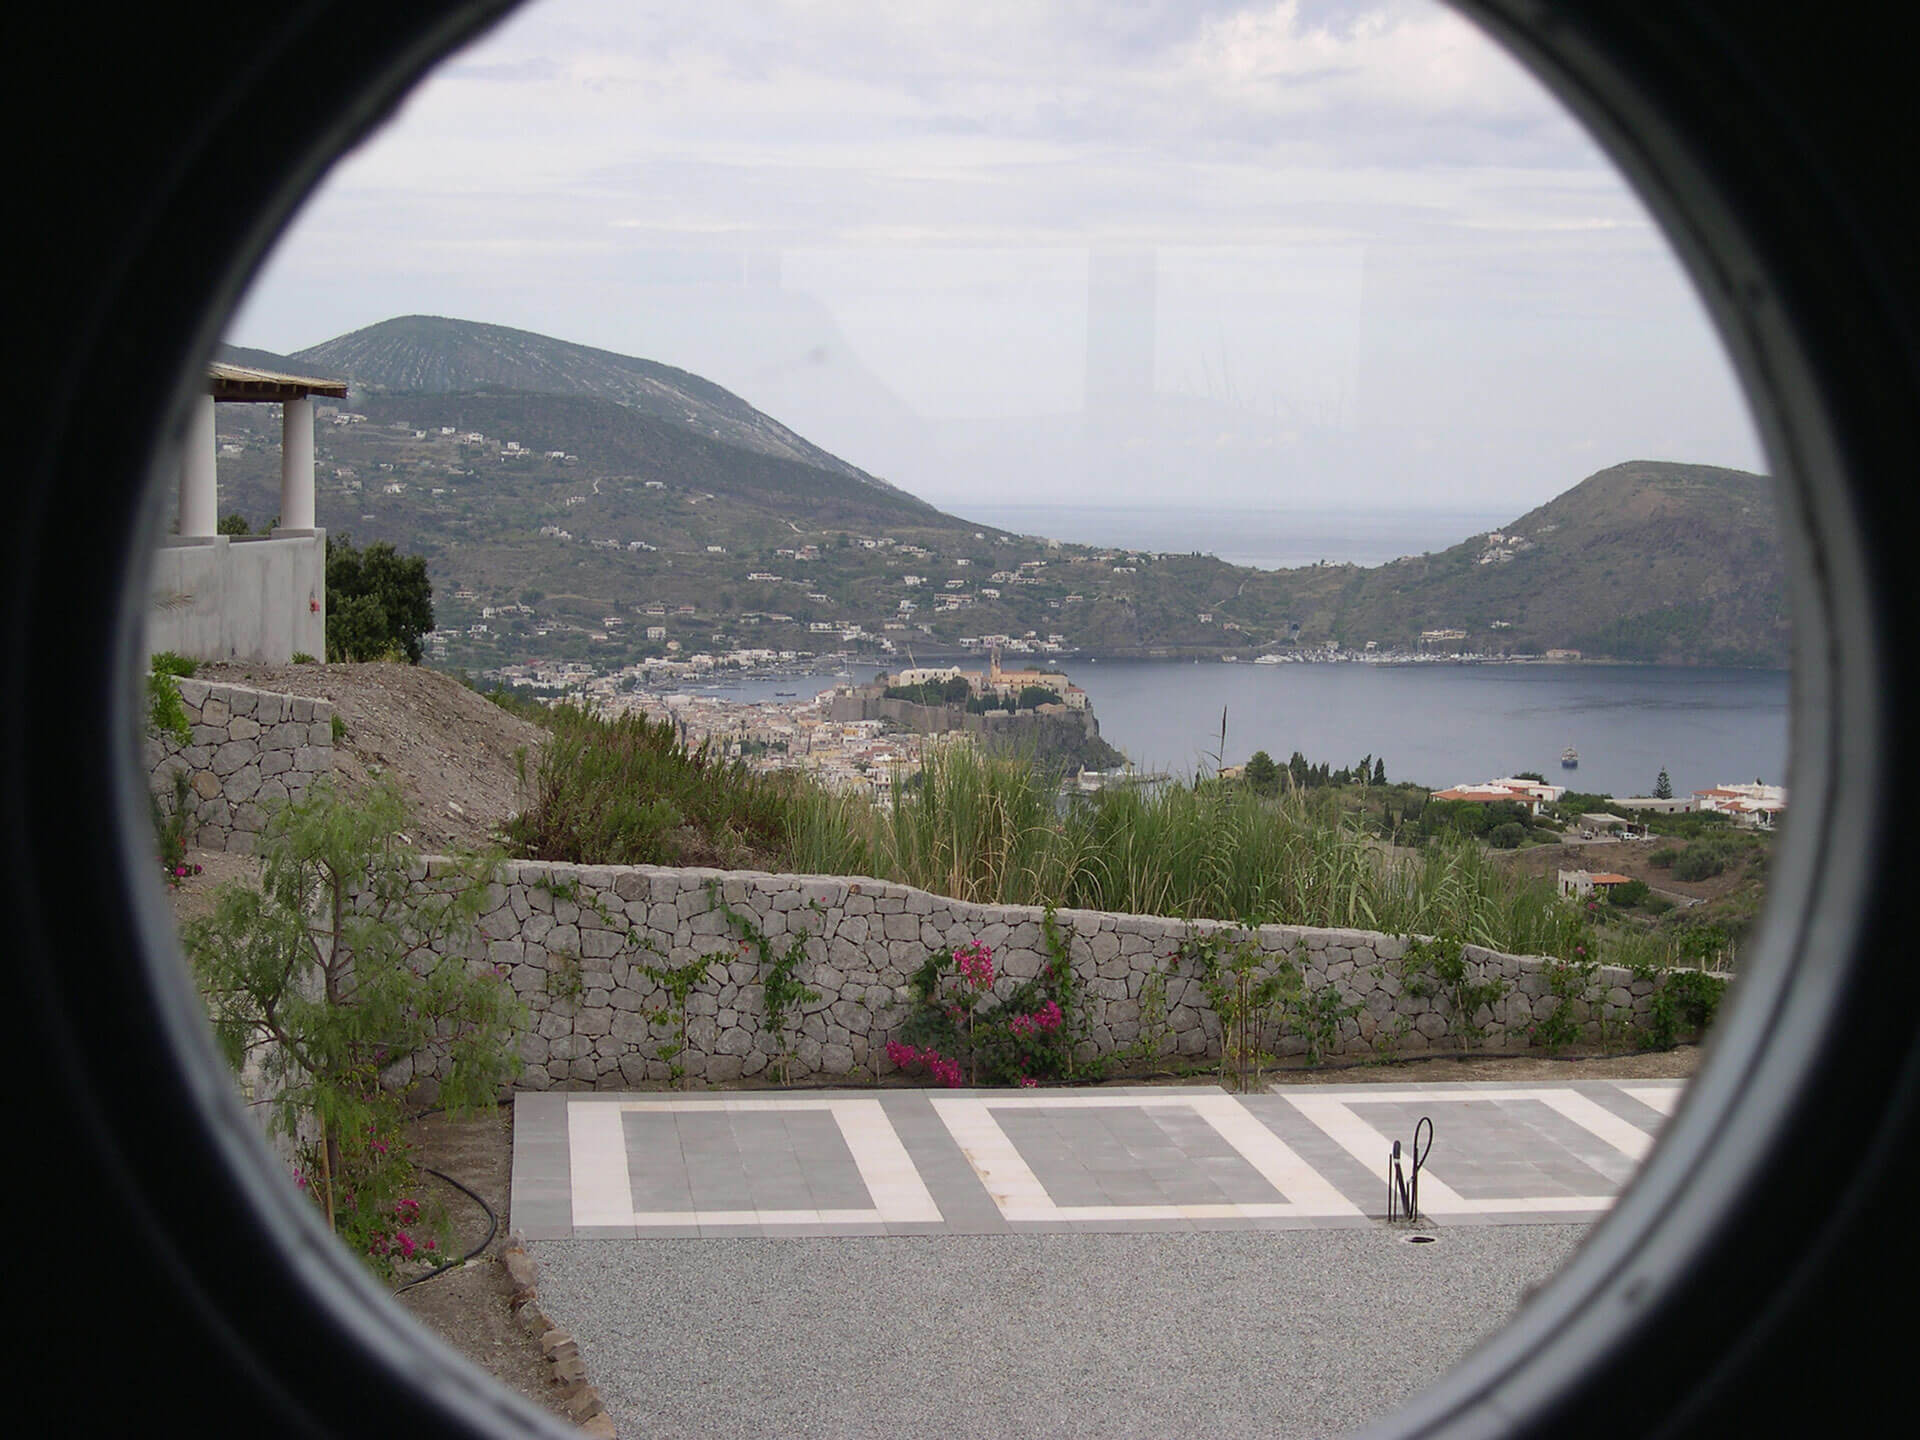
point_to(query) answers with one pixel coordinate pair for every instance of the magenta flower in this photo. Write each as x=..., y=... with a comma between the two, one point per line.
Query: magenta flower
x=974, y=961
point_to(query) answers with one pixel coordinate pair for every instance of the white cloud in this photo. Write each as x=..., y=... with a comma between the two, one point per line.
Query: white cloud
x=928, y=180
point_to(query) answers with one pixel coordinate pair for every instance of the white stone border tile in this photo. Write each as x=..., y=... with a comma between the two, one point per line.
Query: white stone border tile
x=1021, y=1197
x=602, y=1193
x=1663, y=1098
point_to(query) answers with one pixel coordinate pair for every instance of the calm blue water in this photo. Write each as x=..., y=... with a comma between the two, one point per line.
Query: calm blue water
x=1437, y=725
x=1441, y=725
x=755, y=688
x=1265, y=539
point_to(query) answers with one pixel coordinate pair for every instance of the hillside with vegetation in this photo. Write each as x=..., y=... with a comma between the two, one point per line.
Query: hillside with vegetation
x=570, y=500
x=434, y=355
x=1648, y=561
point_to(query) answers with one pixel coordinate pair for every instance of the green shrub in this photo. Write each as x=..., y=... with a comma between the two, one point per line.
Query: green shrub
x=334, y=971
x=1698, y=862
x=1663, y=858
x=1439, y=966
x=1507, y=836
x=166, y=712
x=1628, y=896
x=1683, y=1006
x=626, y=791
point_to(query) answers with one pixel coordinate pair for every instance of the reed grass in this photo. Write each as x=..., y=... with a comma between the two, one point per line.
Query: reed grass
x=993, y=831
x=998, y=830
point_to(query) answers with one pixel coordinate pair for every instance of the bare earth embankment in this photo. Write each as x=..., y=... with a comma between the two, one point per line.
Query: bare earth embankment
x=453, y=753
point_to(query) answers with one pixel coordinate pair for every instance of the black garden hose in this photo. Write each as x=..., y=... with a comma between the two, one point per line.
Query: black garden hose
x=493, y=1229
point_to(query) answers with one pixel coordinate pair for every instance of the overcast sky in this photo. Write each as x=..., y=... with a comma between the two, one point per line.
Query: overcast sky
x=1303, y=254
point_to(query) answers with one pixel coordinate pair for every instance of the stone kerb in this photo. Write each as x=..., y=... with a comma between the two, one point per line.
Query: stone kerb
x=247, y=748
x=574, y=942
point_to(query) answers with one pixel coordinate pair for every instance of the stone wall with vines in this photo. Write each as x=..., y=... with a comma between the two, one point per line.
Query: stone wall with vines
x=642, y=974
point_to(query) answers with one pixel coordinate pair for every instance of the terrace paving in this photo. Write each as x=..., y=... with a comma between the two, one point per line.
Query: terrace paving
x=977, y=1162
x=1128, y=1262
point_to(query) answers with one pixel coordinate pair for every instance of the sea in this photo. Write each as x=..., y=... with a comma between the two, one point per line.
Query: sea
x=1433, y=724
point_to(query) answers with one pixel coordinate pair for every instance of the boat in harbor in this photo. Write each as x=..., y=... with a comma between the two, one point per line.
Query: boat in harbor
x=1569, y=759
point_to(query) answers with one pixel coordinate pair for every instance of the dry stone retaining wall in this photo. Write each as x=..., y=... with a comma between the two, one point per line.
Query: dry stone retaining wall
x=572, y=941
x=248, y=747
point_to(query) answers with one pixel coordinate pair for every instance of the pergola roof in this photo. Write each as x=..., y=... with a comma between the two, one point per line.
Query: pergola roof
x=242, y=382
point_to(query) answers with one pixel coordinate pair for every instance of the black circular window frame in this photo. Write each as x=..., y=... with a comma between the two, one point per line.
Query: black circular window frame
x=162, y=1272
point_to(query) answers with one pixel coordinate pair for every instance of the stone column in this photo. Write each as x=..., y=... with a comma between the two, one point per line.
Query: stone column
x=296, y=464
x=199, y=487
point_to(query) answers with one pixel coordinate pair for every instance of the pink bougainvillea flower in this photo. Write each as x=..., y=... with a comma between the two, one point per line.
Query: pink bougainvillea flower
x=974, y=961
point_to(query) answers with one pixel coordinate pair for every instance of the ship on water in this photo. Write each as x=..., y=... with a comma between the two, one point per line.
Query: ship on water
x=1569, y=759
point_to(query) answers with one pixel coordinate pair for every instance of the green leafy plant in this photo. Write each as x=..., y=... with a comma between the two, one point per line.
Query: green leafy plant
x=960, y=1033
x=339, y=728
x=1568, y=981
x=1683, y=1005
x=1629, y=896
x=1245, y=986
x=173, y=825
x=781, y=989
x=679, y=982
x=1438, y=965
x=1156, y=1033
x=1316, y=1015
x=1387, y=1038
x=564, y=980
x=166, y=711
x=341, y=980
x=301, y=657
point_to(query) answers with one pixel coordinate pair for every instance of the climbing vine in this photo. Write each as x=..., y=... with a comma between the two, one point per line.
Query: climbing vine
x=1248, y=989
x=1438, y=965
x=679, y=981
x=781, y=989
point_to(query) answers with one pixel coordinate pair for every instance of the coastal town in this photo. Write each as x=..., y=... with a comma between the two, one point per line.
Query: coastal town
x=854, y=738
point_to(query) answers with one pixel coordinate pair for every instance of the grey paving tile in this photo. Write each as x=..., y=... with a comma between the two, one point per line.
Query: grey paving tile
x=708, y=1158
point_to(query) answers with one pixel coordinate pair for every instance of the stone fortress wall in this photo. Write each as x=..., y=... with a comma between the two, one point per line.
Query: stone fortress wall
x=248, y=748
